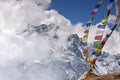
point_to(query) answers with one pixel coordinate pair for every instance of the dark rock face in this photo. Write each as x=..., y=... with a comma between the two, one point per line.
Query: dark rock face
x=75, y=45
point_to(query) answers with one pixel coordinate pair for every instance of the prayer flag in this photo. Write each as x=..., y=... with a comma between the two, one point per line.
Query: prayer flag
x=85, y=36
x=101, y=26
x=98, y=37
x=104, y=41
x=84, y=43
x=108, y=12
x=111, y=0
x=97, y=43
x=84, y=39
x=104, y=17
x=99, y=31
x=85, y=51
x=88, y=24
x=104, y=22
x=109, y=6
x=100, y=2
x=94, y=11
x=86, y=31
x=94, y=60
x=97, y=6
x=90, y=21
x=94, y=53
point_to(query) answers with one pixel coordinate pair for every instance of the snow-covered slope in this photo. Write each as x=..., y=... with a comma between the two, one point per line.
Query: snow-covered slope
x=107, y=64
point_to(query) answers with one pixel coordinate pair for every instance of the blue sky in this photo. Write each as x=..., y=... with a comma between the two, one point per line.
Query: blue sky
x=79, y=10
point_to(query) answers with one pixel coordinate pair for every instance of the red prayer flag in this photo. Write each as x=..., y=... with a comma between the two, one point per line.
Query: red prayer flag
x=108, y=12
x=85, y=51
x=94, y=60
x=86, y=31
x=94, y=11
x=103, y=42
x=98, y=37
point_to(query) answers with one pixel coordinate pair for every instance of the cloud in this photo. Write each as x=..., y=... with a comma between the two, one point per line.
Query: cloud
x=14, y=13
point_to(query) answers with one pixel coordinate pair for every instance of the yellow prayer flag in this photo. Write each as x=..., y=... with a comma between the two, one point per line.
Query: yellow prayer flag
x=92, y=67
x=90, y=21
x=84, y=39
x=88, y=59
x=100, y=2
x=104, y=22
x=98, y=50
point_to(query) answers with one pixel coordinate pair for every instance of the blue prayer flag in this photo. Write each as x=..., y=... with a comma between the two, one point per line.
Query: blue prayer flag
x=107, y=35
x=97, y=6
x=84, y=43
x=94, y=53
x=111, y=0
x=88, y=24
x=101, y=26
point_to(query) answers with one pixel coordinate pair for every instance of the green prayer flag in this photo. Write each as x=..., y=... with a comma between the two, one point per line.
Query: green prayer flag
x=86, y=55
x=105, y=17
x=85, y=36
x=97, y=43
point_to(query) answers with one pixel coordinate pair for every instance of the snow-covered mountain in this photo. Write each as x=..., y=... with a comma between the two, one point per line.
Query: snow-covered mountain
x=63, y=61
x=53, y=53
x=107, y=64
x=69, y=55
x=47, y=54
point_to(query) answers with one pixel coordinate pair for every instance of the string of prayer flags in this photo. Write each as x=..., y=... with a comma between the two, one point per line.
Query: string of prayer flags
x=98, y=43
x=89, y=22
x=101, y=27
x=96, y=7
x=108, y=35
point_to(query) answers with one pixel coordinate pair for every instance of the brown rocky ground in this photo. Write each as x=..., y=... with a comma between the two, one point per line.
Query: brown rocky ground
x=91, y=76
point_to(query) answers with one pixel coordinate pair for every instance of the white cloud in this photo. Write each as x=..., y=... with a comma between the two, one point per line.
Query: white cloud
x=78, y=29
x=15, y=13
x=15, y=49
